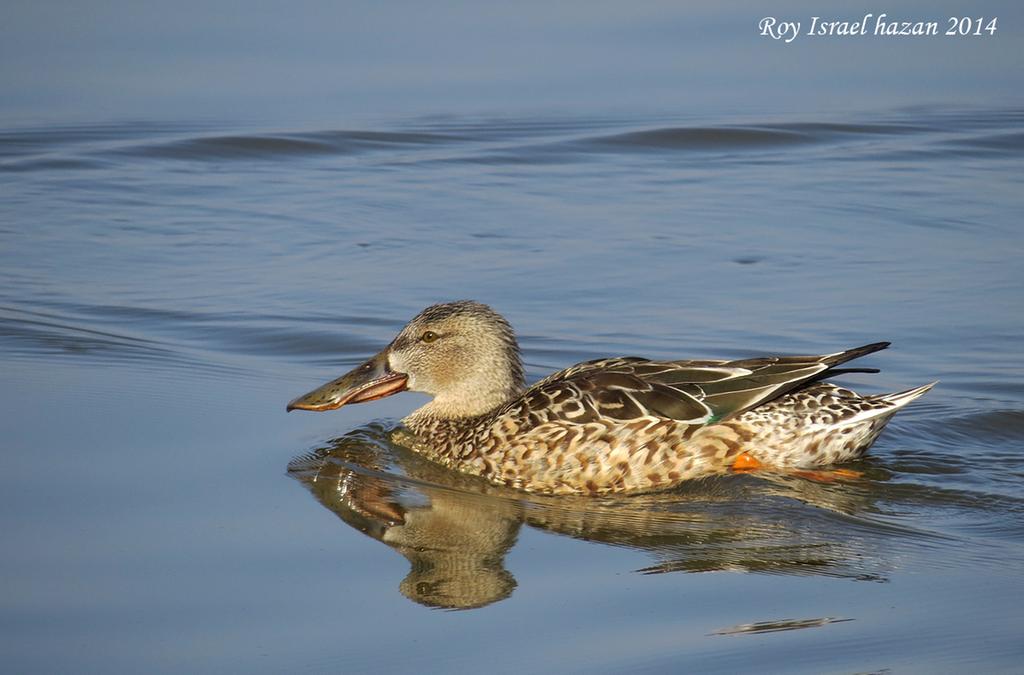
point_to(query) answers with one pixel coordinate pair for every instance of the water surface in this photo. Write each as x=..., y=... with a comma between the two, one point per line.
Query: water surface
x=165, y=288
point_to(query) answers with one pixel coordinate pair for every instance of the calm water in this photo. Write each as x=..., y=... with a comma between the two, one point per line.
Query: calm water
x=165, y=289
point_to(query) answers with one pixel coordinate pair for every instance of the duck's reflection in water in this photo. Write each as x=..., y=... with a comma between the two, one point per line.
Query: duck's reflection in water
x=455, y=530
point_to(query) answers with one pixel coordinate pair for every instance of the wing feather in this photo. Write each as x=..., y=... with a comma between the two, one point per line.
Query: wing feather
x=694, y=392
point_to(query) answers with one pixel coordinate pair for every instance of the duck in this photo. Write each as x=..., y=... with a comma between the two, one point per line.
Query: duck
x=613, y=425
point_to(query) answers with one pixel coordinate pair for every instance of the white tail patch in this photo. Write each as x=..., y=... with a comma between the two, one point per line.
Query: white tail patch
x=901, y=398
x=894, y=402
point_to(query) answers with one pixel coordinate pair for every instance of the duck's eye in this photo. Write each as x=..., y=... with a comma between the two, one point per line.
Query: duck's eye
x=428, y=336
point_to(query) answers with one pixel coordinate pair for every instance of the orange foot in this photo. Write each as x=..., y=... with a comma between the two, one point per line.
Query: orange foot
x=830, y=475
x=745, y=462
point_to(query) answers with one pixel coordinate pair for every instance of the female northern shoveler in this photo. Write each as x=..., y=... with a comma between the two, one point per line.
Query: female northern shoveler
x=612, y=425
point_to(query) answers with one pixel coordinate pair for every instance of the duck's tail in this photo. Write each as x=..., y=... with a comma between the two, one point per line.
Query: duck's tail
x=873, y=418
x=901, y=398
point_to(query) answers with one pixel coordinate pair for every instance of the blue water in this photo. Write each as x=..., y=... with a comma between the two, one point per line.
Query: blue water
x=166, y=289
x=208, y=210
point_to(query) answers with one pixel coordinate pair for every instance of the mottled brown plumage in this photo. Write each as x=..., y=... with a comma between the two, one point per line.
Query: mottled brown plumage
x=611, y=425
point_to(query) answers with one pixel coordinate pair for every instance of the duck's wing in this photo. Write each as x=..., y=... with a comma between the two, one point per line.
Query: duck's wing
x=695, y=392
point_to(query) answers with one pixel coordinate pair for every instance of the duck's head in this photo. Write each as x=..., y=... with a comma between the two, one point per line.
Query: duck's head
x=463, y=353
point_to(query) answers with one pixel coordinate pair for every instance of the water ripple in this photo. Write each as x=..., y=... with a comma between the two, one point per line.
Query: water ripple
x=29, y=336
x=699, y=138
x=503, y=142
x=280, y=146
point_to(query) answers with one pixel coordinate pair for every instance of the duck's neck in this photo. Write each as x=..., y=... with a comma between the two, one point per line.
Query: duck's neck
x=463, y=407
x=447, y=430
